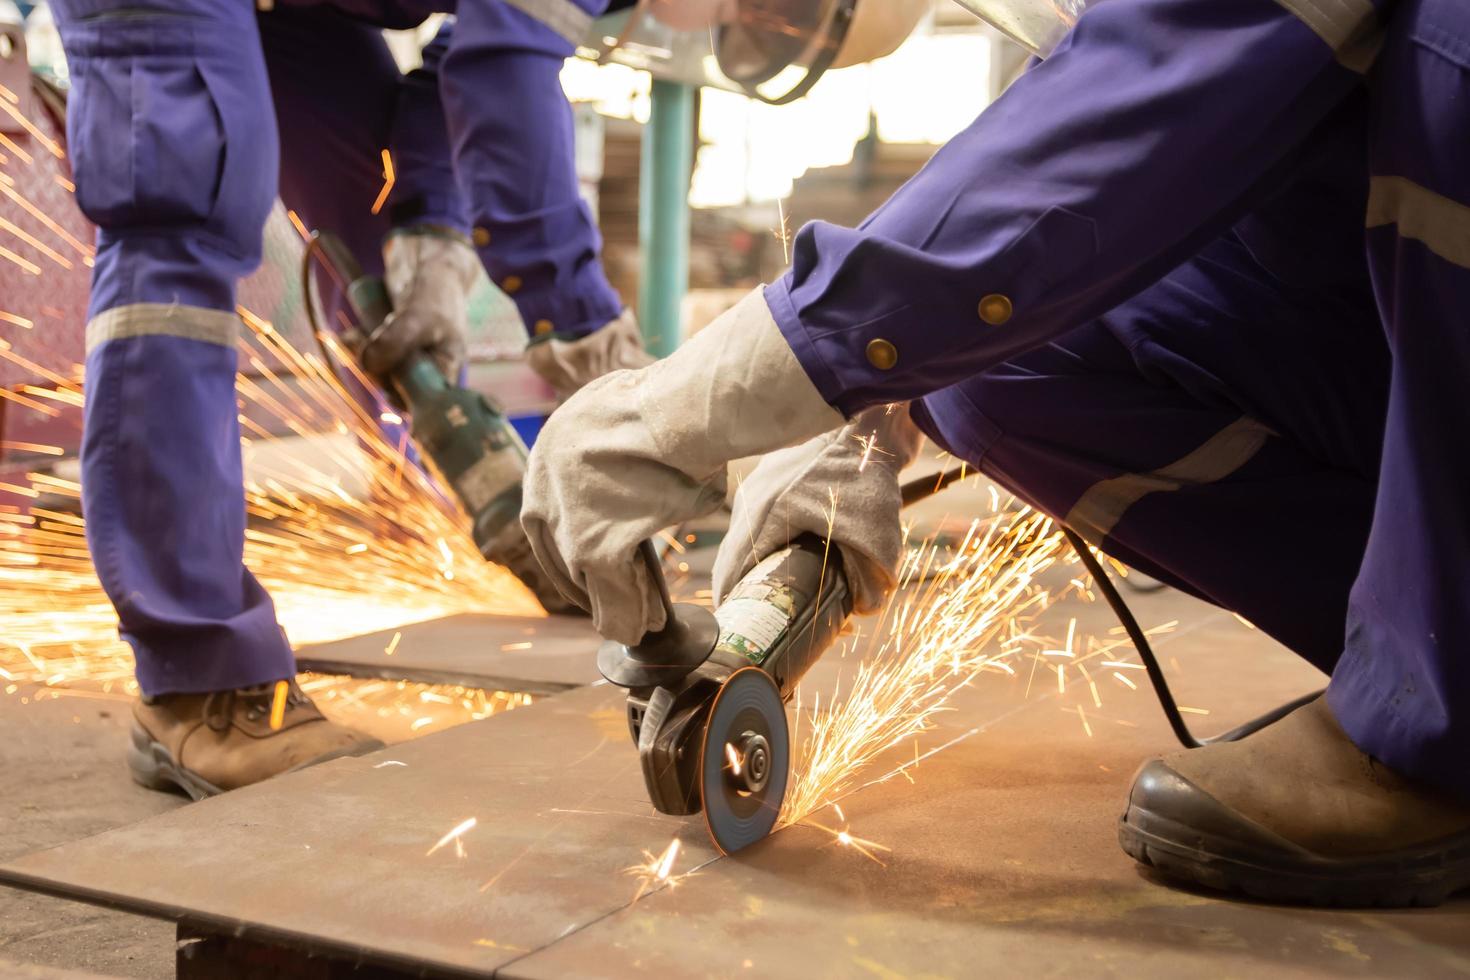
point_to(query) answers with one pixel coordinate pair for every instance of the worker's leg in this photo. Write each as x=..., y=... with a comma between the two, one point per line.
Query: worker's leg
x=173, y=148
x=512, y=136
x=1363, y=797
x=427, y=191
x=1220, y=431
x=341, y=102
x=1402, y=690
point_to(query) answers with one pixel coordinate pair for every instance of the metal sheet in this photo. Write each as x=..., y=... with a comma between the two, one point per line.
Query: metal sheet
x=335, y=858
x=504, y=653
x=1003, y=853
x=22, y=971
x=1004, y=861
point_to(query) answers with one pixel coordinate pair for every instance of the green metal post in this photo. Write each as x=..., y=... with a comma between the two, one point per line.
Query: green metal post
x=663, y=214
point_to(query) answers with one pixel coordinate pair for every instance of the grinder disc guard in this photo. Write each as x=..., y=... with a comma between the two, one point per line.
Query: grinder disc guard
x=745, y=760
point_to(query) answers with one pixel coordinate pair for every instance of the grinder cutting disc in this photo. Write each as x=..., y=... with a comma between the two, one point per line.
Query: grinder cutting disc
x=744, y=761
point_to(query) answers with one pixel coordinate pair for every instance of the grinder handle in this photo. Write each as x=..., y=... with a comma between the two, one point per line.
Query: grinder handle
x=656, y=573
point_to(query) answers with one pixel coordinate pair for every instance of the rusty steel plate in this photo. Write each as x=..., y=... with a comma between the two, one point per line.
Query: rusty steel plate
x=337, y=859
x=1001, y=853
x=1001, y=858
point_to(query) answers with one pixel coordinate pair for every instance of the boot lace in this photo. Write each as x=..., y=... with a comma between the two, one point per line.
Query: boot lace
x=219, y=706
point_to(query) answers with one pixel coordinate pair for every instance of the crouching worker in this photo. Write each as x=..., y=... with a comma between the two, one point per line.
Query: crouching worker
x=1193, y=288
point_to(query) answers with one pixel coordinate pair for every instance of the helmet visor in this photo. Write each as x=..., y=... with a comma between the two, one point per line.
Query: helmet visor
x=763, y=37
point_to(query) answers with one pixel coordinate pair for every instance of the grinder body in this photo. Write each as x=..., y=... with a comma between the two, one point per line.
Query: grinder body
x=469, y=441
x=780, y=619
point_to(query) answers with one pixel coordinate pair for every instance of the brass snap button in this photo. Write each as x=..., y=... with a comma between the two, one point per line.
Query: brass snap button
x=996, y=309
x=882, y=354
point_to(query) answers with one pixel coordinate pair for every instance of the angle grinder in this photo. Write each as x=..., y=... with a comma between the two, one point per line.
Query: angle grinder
x=469, y=440
x=707, y=694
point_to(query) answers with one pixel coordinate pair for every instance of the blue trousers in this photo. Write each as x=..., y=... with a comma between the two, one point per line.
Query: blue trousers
x=1279, y=424
x=186, y=120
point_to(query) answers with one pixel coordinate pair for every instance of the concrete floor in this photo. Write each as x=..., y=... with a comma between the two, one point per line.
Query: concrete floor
x=66, y=780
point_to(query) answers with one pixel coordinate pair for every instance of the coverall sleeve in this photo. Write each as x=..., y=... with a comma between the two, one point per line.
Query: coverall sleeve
x=1149, y=131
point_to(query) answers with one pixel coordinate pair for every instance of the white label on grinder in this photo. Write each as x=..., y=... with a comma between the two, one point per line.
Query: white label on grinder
x=755, y=621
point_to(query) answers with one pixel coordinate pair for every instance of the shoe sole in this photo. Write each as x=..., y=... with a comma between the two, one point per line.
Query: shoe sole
x=153, y=766
x=1418, y=877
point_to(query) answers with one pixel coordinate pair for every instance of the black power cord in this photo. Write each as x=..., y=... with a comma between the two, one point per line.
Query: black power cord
x=317, y=244
x=924, y=487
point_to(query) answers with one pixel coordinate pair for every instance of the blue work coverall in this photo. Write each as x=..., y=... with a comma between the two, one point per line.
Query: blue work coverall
x=1139, y=291
x=186, y=118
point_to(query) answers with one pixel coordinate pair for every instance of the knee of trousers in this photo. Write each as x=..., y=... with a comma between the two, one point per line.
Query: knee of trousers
x=547, y=27
x=172, y=135
x=1015, y=428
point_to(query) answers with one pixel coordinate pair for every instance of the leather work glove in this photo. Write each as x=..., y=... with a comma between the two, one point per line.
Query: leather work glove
x=792, y=491
x=429, y=271
x=637, y=451
x=567, y=365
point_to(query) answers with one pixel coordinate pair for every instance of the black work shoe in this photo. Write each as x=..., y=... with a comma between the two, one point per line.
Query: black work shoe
x=1297, y=813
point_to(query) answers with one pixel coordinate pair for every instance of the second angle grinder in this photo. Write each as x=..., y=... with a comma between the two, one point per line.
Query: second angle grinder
x=468, y=439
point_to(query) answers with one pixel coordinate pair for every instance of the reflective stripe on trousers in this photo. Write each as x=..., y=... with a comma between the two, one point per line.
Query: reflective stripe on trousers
x=1101, y=508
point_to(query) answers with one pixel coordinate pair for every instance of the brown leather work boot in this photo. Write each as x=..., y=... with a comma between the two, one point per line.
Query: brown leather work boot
x=1297, y=813
x=206, y=744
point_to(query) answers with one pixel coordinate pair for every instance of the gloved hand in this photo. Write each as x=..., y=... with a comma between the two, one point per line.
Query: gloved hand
x=637, y=451
x=847, y=480
x=567, y=365
x=428, y=271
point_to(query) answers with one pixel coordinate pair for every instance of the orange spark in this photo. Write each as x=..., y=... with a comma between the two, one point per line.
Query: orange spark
x=657, y=870
x=845, y=838
x=35, y=132
x=389, y=179
x=45, y=219
x=25, y=264
x=35, y=243
x=30, y=403
x=298, y=224
x=453, y=835
x=11, y=145
x=31, y=447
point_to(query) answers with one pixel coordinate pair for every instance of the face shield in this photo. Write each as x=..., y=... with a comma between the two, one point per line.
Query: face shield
x=1034, y=24
x=788, y=44
x=776, y=50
